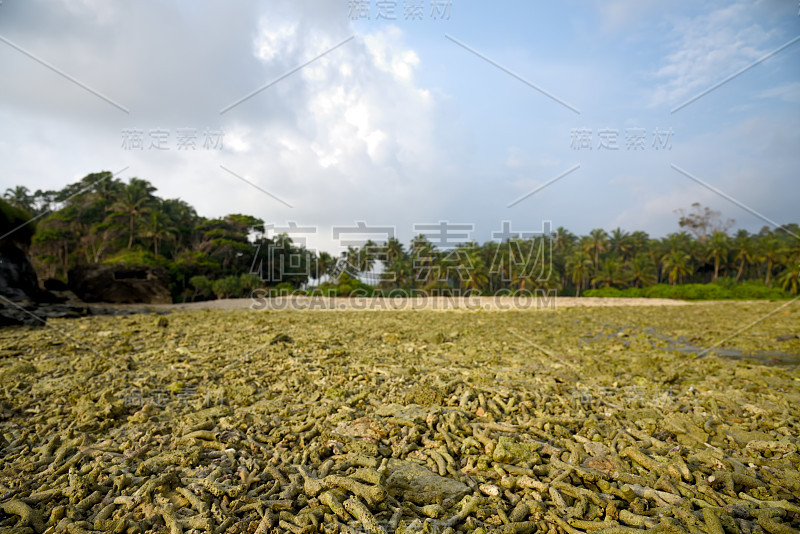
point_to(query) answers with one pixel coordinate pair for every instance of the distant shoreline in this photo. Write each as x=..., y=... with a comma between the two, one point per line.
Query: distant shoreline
x=408, y=304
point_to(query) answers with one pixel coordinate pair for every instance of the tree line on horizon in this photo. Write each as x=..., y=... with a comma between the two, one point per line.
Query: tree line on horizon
x=101, y=219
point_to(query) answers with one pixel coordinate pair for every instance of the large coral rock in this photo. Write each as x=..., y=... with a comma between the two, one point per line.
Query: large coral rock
x=509, y=451
x=410, y=481
x=120, y=284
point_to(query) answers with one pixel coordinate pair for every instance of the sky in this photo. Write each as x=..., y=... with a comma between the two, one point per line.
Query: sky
x=396, y=114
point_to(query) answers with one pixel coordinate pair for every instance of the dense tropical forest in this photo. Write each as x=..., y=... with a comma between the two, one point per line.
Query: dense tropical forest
x=101, y=219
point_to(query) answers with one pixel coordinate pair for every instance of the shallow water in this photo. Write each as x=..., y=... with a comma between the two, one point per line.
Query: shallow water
x=682, y=345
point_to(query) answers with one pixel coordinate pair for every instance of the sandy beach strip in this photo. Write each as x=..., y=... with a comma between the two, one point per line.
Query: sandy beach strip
x=301, y=302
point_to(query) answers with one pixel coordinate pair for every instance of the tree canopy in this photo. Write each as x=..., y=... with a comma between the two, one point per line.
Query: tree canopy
x=101, y=219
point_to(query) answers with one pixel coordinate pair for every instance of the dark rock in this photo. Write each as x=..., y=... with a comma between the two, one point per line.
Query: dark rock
x=120, y=284
x=12, y=314
x=63, y=311
x=18, y=281
x=66, y=296
x=281, y=338
x=54, y=284
x=19, y=287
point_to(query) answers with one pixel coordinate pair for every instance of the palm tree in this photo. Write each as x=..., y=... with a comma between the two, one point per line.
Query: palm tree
x=183, y=217
x=579, y=266
x=367, y=256
x=770, y=251
x=106, y=188
x=563, y=241
x=158, y=228
x=790, y=278
x=677, y=241
x=599, y=239
x=516, y=262
x=745, y=250
x=620, y=243
x=134, y=201
x=718, y=247
x=676, y=264
x=394, y=254
x=477, y=276
x=423, y=258
x=586, y=245
x=323, y=265
x=642, y=270
x=498, y=266
x=610, y=274
x=639, y=242
x=20, y=197
x=403, y=272
x=394, y=249
x=352, y=257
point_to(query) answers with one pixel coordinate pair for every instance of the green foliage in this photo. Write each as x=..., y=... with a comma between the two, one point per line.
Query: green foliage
x=202, y=288
x=345, y=286
x=758, y=290
x=13, y=218
x=100, y=219
x=710, y=291
x=249, y=282
x=228, y=287
x=136, y=257
x=283, y=289
x=727, y=282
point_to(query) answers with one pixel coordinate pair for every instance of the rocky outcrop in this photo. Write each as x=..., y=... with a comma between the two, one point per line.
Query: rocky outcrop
x=23, y=302
x=18, y=281
x=120, y=284
x=20, y=294
x=19, y=287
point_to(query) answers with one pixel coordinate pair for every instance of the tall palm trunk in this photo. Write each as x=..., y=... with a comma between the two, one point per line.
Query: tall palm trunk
x=130, y=231
x=769, y=271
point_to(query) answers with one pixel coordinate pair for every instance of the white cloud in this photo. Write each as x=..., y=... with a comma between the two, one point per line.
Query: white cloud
x=618, y=14
x=383, y=47
x=274, y=39
x=706, y=49
x=361, y=134
x=788, y=92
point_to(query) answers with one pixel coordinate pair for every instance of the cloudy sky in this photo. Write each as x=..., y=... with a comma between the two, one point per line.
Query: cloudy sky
x=397, y=113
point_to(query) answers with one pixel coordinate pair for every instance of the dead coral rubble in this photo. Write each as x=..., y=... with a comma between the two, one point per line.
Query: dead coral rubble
x=180, y=427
